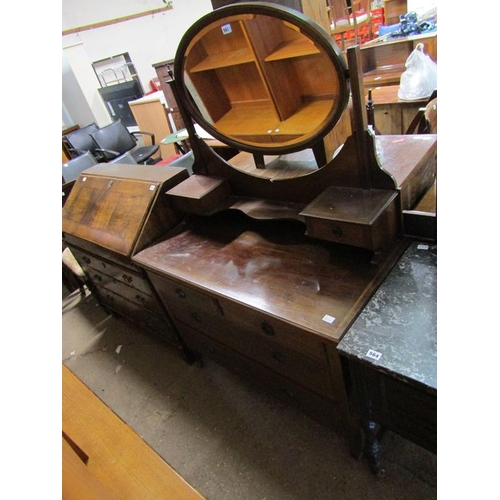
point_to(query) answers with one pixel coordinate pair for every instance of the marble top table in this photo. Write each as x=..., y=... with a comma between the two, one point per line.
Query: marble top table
x=391, y=350
x=396, y=332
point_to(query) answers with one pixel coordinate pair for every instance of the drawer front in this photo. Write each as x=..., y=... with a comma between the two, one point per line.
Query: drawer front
x=321, y=409
x=92, y=263
x=313, y=374
x=275, y=330
x=155, y=323
x=185, y=303
x=408, y=411
x=258, y=338
x=132, y=294
x=338, y=232
x=397, y=405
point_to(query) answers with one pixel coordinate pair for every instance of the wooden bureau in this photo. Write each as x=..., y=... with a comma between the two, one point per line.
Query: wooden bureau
x=112, y=212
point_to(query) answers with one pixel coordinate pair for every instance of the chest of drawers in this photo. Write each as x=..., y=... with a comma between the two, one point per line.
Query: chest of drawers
x=265, y=301
x=113, y=212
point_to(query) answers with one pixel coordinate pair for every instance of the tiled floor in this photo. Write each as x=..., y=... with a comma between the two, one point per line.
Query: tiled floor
x=227, y=438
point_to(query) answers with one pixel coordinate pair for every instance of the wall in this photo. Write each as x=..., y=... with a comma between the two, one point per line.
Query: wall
x=148, y=40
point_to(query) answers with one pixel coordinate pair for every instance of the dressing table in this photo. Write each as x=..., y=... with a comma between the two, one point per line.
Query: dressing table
x=282, y=246
x=264, y=261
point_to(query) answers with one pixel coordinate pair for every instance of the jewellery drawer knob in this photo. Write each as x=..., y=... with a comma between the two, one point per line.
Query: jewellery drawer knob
x=336, y=231
x=97, y=277
x=267, y=328
x=127, y=278
x=140, y=299
x=180, y=293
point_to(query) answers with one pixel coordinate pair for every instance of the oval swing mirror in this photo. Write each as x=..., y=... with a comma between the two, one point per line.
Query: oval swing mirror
x=262, y=78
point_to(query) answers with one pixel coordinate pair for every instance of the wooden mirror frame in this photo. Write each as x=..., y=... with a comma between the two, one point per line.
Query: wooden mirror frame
x=293, y=19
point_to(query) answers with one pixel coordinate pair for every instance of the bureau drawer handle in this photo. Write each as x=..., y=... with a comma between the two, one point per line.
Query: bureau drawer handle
x=278, y=356
x=103, y=264
x=110, y=298
x=267, y=328
x=127, y=278
x=140, y=299
x=336, y=231
x=196, y=317
x=180, y=293
x=86, y=260
x=97, y=277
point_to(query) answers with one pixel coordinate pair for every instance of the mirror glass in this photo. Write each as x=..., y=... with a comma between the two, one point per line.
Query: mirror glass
x=267, y=81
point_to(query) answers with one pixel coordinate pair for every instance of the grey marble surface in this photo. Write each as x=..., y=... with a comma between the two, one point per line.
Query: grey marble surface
x=396, y=332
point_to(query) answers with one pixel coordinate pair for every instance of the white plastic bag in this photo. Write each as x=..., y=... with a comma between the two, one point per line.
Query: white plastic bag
x=420, y=78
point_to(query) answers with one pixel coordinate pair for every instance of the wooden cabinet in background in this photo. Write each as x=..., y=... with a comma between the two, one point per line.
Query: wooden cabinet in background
x=383, y=62
x=247, y=65
x=151, y=115
x=392, y=115
x=393, y=9
x=162, y=70
x=314, y=9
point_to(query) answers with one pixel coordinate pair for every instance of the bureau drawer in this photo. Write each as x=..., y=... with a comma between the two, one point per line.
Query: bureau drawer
x=132, y=294
x=324, y=410
x=156, y=323
x=93, y=263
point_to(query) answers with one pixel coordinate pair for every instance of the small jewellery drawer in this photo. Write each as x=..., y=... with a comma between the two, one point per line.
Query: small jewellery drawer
x=91, y=262
x=338, y=232
x=360, y=217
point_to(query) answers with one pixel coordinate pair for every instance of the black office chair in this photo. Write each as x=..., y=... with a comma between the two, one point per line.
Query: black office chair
x=126, y=158
x=72, y=168
x=114, y=140
x=80, y=142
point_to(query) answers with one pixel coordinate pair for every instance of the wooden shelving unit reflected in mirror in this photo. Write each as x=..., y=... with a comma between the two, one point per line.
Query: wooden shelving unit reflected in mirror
x=235, y=68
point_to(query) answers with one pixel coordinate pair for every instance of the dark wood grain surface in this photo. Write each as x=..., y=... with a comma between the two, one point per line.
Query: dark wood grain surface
x=270, y=266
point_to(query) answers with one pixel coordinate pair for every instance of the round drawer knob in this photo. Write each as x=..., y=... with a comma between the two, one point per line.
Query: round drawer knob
x=336, y=231
x=267, y=328
x=180, y=293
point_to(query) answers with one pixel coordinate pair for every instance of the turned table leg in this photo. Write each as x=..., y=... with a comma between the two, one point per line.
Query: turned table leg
x=372, y=447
